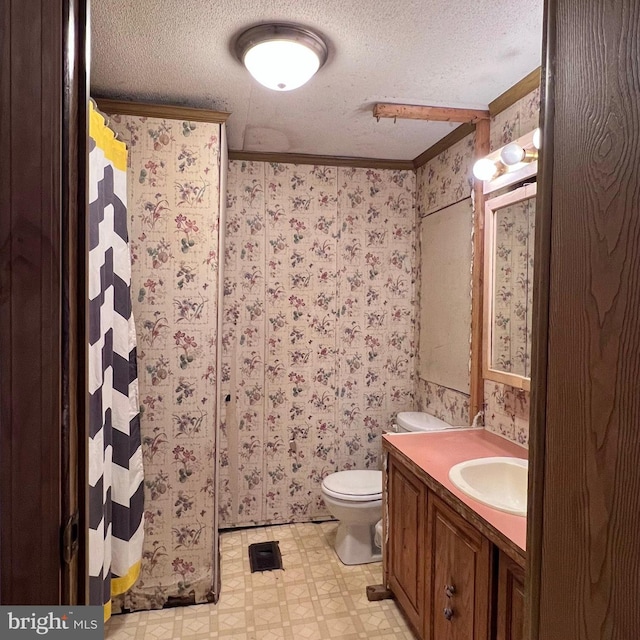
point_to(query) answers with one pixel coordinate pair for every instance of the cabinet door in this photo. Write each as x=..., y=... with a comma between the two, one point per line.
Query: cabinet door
x=510, y=600
x=405, y=549
x=458, y=589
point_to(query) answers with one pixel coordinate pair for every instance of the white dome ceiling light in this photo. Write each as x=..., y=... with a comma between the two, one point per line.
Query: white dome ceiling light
x=281, y=56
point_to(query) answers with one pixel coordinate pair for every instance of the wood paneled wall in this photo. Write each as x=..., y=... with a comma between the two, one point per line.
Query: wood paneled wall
x=41, y=286
x=584, y=523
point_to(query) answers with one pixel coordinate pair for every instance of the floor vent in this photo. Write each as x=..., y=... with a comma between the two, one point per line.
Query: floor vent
x=265, y=556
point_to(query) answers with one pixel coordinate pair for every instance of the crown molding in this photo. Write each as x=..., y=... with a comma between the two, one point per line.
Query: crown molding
x=331, y=161
x=169, y=112
x=518, y=91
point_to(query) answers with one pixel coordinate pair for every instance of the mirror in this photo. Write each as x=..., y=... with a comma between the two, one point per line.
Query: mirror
x=508, y=293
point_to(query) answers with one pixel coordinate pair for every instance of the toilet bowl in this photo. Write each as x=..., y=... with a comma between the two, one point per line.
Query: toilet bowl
x=354, y=498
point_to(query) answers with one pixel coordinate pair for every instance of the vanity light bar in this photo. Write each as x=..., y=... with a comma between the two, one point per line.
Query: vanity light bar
x=511, y=163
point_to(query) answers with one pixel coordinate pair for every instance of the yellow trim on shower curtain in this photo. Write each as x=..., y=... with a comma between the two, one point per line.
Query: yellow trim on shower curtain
x=122, y=584
x=125, y=582
x=105, y=138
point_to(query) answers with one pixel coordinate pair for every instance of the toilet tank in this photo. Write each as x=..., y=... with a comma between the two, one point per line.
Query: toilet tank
x=411, y=421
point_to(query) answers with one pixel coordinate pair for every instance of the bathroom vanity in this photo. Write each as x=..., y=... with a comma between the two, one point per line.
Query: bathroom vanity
x=454, y=565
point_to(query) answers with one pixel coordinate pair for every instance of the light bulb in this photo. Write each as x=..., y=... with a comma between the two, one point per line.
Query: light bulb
x=485, y=169
x=512, y=154
x=537, y=138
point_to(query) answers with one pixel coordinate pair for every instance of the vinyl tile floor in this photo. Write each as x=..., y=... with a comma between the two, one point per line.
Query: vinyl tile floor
x=315, y=596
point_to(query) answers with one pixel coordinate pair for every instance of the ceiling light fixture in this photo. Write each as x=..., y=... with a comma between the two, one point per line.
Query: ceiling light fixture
x=281, y=56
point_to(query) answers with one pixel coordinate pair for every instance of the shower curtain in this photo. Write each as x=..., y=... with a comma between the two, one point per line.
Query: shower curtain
x=115, y=453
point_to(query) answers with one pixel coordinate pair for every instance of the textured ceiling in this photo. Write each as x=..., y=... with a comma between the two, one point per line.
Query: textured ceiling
x=454, y=53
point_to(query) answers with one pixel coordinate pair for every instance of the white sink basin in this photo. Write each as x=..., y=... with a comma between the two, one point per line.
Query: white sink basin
x=500, y=483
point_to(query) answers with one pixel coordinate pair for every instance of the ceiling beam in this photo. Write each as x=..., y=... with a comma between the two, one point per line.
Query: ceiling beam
x=435, y=114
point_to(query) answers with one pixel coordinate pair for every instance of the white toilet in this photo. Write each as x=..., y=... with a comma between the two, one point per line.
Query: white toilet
x=355, y=498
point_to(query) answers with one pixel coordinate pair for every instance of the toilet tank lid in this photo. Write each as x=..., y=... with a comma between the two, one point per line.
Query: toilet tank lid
x=420, y=421
x=354, y=482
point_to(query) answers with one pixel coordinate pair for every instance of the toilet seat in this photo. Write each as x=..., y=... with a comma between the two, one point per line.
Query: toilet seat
x=354, y=486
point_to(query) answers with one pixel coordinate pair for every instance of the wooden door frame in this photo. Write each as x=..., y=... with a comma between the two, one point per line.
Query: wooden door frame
x=540, y=329
x=44, y=90
x=583, y=555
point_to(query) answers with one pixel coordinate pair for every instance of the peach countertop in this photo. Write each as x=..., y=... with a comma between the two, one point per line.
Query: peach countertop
x=435, y=453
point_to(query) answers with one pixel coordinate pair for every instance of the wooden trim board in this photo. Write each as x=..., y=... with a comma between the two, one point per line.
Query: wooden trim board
x=540, y=326
x=331, y=161
x=476, y=383
x=515, y=93
x=502, y=102
x=490, y=207
x=148, y=110
x=434, y=114
x=450, y=139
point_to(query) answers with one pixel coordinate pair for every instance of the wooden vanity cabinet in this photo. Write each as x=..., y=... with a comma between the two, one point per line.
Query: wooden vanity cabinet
x=450, y=580
x=458, y=576
x=404, y=560
x=510, y=613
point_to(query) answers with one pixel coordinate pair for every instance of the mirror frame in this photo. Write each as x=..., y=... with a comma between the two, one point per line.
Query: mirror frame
x=491, y=206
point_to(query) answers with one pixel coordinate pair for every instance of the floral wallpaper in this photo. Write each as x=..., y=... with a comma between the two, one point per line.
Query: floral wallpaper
x=507, y=411
x=447, y=404
x=518, y=119
x=173, y=184
x=447, y=178
x=513, y=287
x=318, y=332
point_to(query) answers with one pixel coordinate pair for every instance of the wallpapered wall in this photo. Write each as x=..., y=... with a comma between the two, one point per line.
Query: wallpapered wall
x=319, y=329
x=446, y=179
x=173, y=184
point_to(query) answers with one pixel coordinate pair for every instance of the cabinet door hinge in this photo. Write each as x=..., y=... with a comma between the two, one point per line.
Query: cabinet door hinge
x=70, y=538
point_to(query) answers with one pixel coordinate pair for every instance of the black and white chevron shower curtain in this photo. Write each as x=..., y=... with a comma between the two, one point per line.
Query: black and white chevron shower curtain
x=115, y=454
